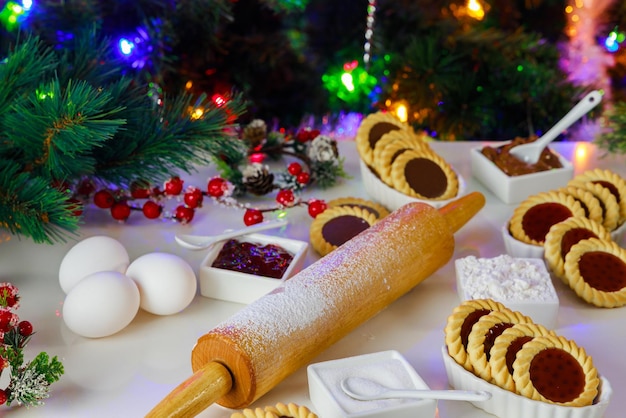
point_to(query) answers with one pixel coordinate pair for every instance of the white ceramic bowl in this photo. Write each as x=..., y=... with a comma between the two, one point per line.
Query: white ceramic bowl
x=514, y=189
x=504, y=403
x=391, y=198
x=234, y=286
x=524, y=285
x=386, y=367
x=519, y=249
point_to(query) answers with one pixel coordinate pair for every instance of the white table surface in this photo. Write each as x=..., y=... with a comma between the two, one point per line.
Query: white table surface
x=126, y=374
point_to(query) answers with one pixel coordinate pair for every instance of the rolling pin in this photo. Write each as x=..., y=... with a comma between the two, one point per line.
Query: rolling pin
x=248, y=354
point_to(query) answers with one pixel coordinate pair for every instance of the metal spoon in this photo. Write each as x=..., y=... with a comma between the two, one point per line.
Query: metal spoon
x=200, y=242
x=531, y=152
x=368, y=390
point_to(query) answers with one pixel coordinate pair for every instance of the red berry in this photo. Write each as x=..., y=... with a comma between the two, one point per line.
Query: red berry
x=120, y=211
x=216, y=187
x=285, y=197
x=140, y=189
x=316, y=207
x=3, y=396
x=303, y=178
x=294, y=169
x=25, y=328
x=252, y=216
x=193, y=197
x=7, y=320
x=103, y=199
x=86, y=188
x=184, y=214
x=151, y=210
x=173, y=186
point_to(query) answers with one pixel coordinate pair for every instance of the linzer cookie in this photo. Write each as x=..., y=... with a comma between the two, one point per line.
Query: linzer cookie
x=371, y=130
x=555, y=370
x=291, y=410
x=505, y=348
x=483, y=334
x=533, y=218
x=253, y=413
x=460, y=323
x=563, y=235
x=338, y=224
x=612, y=181
x=590, y=203
x=390, y=147
x=424, y=175
x=596, y=270
x=377, y=209
x=608, y=202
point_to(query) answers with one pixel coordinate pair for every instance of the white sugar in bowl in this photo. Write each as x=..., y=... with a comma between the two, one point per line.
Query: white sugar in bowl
x=167, y=283
x=91, y=255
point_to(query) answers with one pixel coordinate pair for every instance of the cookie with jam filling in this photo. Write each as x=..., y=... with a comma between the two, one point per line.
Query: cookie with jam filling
x=555, y=370
x=372, y=129
x=424, y=175
x=377, y=209
x=534, y=217
x=254, y=413
x=562, y=236
x=484, y=332
x=608, y=202
x=596, y=270
x=612, y=181
x=390, y=146
x=291, y=410
x=589, y=202
x=460, y=323
x=338, y=224
x=505, y=348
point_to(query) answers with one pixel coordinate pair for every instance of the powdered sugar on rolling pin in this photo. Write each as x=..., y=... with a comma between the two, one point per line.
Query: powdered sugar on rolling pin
x=504, y=278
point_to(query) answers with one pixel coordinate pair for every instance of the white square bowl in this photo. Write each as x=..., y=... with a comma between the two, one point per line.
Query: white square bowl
x=514, y=189
x=524, y=285
x=386, y=367
x=391, y=198
x=504, y=403
x=234, y=286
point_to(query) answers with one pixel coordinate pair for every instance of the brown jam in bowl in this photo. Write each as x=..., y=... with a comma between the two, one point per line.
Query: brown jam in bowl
x=512, y=166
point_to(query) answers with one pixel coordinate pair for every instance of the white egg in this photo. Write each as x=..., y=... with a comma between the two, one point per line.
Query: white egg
x=91, y=255
x=167, y=283
x=101, y=304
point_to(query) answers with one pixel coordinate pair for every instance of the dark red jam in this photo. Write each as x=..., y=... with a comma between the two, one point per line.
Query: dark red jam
x=268, y=260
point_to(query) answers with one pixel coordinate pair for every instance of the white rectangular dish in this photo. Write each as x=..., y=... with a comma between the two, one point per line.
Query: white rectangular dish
x=514, y=189
x=389, y=368
x=234, y=286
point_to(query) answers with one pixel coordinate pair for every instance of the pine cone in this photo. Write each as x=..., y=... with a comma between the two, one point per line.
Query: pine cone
x=255, y=132
x=257, y=179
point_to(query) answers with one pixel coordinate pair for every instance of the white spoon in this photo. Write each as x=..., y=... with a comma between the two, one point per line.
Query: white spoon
x=531, y=152
x=200, y=242
x=367, y=390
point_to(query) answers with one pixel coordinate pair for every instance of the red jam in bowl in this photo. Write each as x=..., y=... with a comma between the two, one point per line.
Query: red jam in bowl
x=268, y=260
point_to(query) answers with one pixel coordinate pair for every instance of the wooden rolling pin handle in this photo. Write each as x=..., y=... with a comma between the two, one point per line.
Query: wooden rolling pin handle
x=458, y=212
x=195, y=394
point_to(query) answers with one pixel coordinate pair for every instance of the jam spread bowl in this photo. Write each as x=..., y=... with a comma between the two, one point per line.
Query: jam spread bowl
x=504, y=403
x=388, y=368
x=393, y=199
x=244, y=269
x=512, y=189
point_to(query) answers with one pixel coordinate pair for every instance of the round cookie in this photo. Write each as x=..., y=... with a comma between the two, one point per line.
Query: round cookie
x=608, y=202
x=460, y=323
x=533, y=218
x=377, y=209
x=505, y=348
x=254, y=413
x=424, y=175
x=590, y=204
x=612, y=181
x=390, y=146
x=596, y=270
x=482, y=337
x=336, y=225
x=555, y=370
x=291, y=410
x=563, y=235
x=371, y=130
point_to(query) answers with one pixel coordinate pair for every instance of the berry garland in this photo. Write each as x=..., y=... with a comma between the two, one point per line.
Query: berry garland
x=29, y=382
x=319, y=164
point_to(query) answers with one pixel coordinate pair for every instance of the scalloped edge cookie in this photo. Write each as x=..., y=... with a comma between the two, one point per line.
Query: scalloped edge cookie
x=316, y=236
x=390, y=146
x=608, y=178
x=365, y=143
x=457, y=326
x=403, y=185
x=291, y=410
x=516, y=224
x=522, y=370
x=254, y=413
x=554, y=253
x=608, y=202
x=589, y=202
x=376, y=208
x=483, y=331
x=580, y=285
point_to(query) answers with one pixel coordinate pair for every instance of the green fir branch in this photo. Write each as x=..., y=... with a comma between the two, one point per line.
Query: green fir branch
x=613, y=139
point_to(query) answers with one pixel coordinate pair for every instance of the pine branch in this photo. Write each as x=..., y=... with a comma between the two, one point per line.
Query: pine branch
x=613, y=139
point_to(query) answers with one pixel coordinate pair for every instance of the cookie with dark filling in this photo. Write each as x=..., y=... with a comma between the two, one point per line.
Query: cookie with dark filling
x=424, y=175
x=377, y=209
x=338, y=224
x=610, y=180
x=392, y=145
x=608, y=202
x=372, y=129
